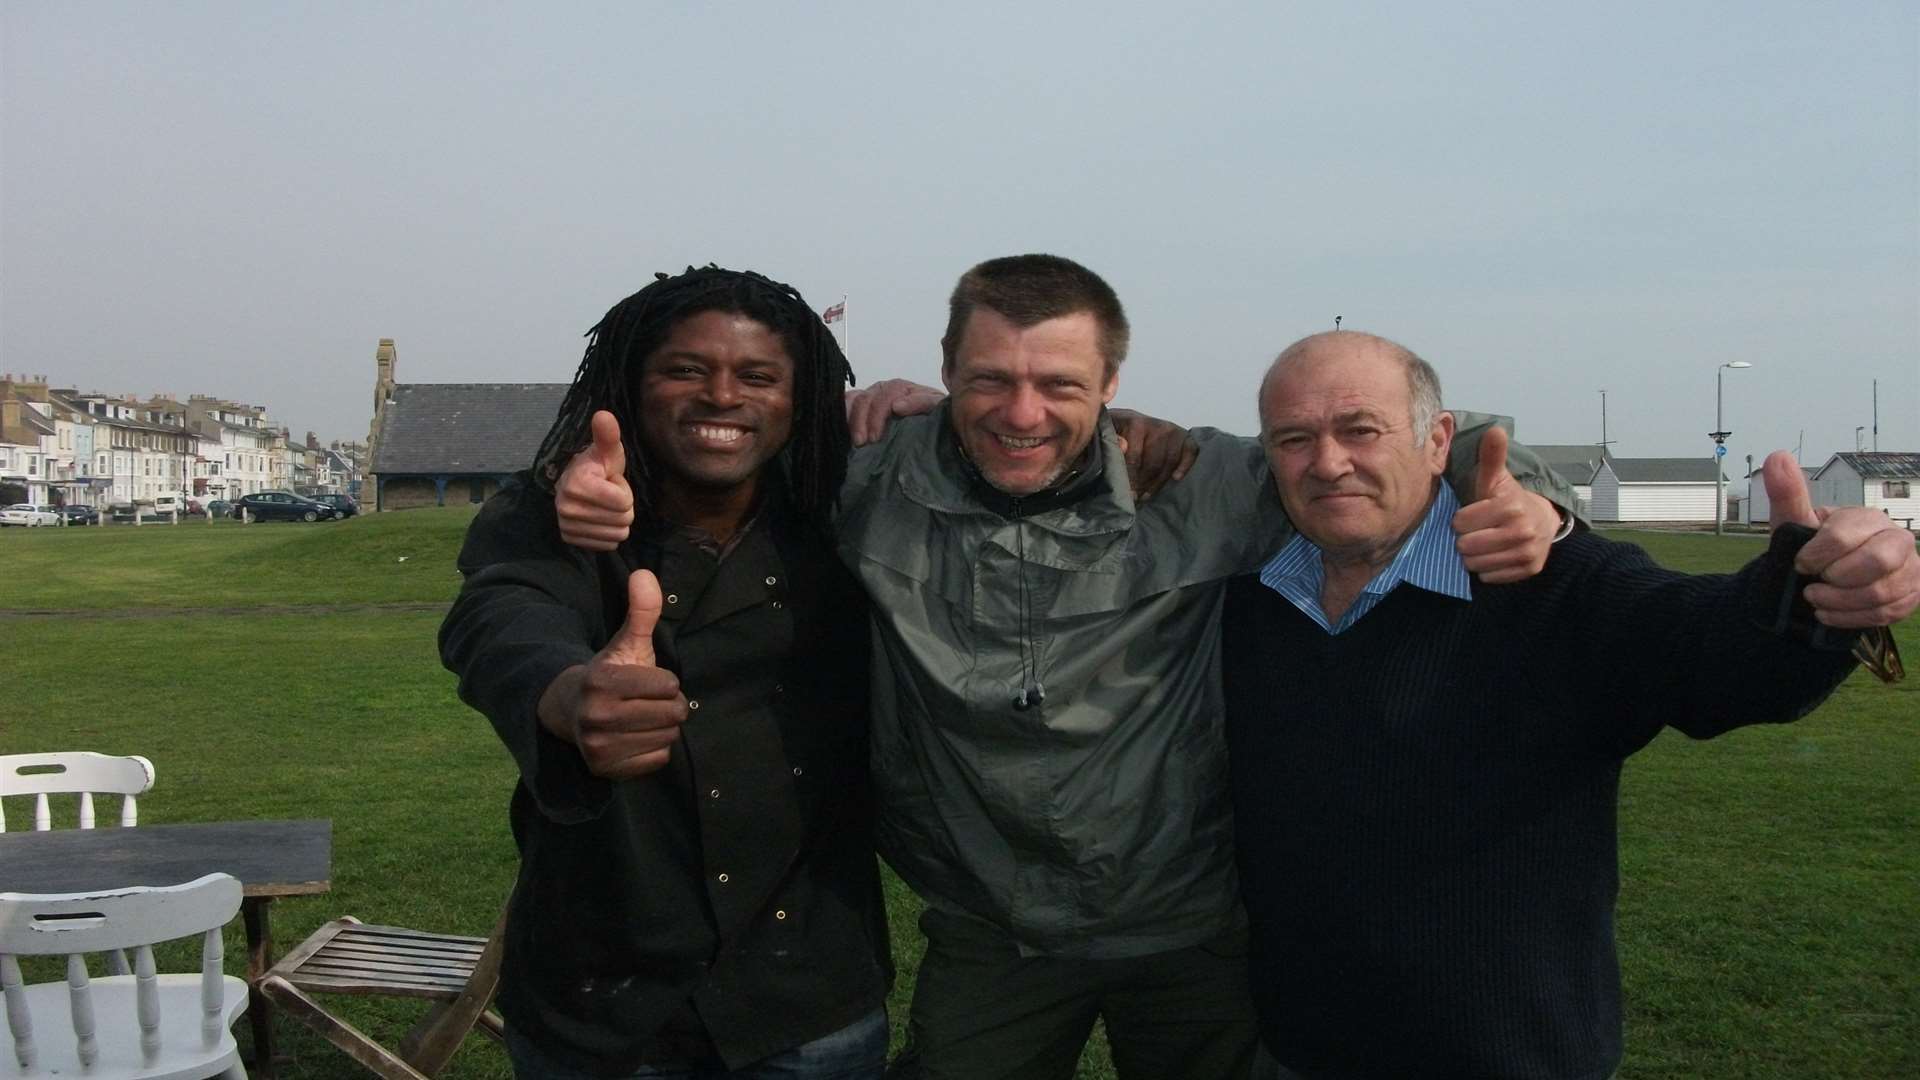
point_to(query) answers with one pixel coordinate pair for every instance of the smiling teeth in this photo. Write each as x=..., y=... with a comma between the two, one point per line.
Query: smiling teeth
x=717, y=434
x=1012, y=443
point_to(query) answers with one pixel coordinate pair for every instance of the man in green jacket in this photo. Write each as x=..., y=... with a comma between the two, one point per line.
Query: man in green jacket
x=1047, y=748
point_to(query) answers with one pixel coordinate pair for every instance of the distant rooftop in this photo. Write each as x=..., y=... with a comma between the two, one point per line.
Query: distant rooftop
x=465, y=427
x=1576, y=463
x=1883, y=464
x=1663, y=470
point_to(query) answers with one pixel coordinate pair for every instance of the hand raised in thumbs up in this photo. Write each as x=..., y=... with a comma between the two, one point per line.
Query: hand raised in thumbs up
x=592, y=499
x=1868, y=571
x=621, y=711
x=1505, y=532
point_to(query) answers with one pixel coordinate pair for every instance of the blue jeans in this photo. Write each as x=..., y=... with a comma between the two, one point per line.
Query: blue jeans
x=855, y=1052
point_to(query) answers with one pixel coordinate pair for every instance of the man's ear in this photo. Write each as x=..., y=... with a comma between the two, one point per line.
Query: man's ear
x=946, y=376
x=1113, y=387
x=1440, y=441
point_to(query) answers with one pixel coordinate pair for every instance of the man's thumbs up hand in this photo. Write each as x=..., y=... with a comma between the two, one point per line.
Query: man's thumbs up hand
x=1504, y=534
x=633, y=644
x=1490, y=468
x=593, y=500
x=1787, y=497
x=1867, y=569
x=621, y=711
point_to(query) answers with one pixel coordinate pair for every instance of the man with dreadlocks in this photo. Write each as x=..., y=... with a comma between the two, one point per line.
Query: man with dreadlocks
x=698, y=892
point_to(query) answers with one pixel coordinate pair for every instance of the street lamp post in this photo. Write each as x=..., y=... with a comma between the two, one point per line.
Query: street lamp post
x=1719, y=435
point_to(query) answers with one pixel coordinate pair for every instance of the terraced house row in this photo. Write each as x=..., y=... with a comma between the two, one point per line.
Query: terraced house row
x=68, y=447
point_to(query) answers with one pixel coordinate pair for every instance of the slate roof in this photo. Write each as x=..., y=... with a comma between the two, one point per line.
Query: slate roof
x=1883, y=464
x=459, y=428
x=1663, y=470
x=1576, y=464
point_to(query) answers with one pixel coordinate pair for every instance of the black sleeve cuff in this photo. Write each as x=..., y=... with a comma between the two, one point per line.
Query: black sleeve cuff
x=1790, y=615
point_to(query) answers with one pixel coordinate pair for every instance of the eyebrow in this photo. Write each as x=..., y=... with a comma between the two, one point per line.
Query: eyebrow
x=695, y=354
x=1369, y=415
x=1289, y=427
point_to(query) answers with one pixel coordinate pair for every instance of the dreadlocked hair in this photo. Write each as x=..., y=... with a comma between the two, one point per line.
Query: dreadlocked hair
x=812, y=464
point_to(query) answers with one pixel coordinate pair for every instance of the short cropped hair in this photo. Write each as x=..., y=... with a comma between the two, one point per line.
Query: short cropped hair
x=1027, y=290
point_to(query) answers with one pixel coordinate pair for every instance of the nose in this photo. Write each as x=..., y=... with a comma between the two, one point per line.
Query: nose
x=722, y=389
x=1025, y=409
x=1330, y=459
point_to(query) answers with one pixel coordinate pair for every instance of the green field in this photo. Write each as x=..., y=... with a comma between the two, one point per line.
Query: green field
x=1770, y=903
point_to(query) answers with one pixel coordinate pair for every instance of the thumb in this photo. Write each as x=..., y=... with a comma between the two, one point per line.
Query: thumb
x=1491, y=471
x=607, y=448
x=633, y=644
x=1787, y=498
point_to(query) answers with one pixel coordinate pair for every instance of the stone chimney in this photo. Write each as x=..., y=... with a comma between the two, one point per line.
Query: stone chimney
x=385, y=359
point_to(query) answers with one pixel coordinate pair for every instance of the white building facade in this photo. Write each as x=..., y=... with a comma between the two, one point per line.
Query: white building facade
x=1878, y=480
x=1654, y=489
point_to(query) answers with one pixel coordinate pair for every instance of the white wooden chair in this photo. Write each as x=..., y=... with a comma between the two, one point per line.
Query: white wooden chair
x=79, y=772
x=144, y=1026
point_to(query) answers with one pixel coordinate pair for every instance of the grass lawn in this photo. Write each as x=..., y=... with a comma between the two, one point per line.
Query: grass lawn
x=1770, y=879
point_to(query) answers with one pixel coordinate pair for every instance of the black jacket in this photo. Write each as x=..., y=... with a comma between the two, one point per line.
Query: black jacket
x=729, y=904
x=1426, y=802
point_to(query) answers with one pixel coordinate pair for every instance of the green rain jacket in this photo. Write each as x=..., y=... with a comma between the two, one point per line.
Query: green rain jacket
x=1097, y=823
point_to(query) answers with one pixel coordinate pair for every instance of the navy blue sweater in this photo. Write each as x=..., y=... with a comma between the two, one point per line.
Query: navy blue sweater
x=1425, y=804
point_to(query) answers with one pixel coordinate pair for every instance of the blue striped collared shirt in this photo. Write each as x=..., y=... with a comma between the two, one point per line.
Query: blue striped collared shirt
x=1426, y=561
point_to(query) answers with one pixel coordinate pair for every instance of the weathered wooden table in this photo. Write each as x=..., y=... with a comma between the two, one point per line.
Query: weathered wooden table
x=271, y=858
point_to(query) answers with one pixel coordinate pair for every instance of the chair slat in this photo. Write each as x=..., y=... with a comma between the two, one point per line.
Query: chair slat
x=408, y=945
x=401, y=933
x=80, y=999
x=348, y=983
x=146, y=997
x=418, y=956
x=19, y=1019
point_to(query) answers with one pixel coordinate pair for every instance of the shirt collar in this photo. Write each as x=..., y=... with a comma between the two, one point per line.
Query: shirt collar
x=1427, y=561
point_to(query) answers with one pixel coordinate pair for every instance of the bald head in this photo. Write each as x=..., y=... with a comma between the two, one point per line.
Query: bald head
x=1355, y=441
x=1340, y=346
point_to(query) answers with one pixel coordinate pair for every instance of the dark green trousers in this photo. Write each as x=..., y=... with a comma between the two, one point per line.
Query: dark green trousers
x=981, y=1011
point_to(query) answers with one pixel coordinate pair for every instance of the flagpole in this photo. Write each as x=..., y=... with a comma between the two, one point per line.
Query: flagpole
x=846, y=330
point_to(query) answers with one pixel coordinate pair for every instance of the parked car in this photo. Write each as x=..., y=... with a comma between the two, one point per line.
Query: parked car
x=123, y=513
x=219, y=508
x=29, y=515
x=80, y=515
x=282, y=506
x=342, y=504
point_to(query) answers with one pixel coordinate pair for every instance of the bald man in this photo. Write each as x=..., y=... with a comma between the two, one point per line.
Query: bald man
x=1424, y=792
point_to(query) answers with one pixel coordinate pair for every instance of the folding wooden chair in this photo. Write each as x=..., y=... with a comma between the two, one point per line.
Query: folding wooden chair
x=346, y=956
x=144, y=1026
x=74, y=772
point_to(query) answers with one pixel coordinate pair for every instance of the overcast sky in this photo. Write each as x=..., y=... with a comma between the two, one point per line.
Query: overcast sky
x=1545, y=200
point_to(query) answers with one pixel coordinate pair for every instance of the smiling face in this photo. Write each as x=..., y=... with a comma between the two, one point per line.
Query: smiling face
x=1026, y=400
x=715, y=405
x=1337, y=423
